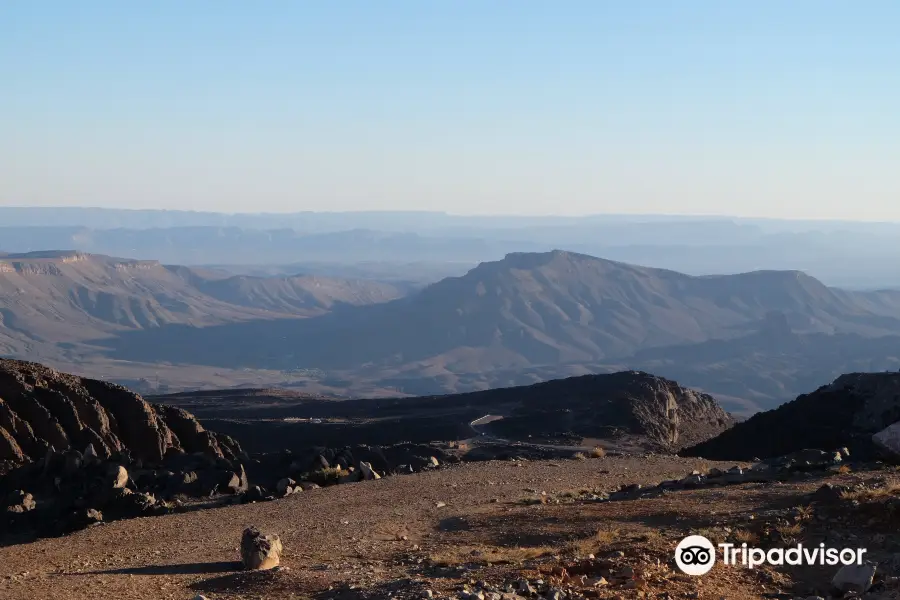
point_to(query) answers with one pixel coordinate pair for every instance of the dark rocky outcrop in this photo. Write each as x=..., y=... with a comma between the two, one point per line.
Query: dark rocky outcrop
x=41, y=408
x=845, y=413
x=629, y=408
x=640, y=408
x=77, y=451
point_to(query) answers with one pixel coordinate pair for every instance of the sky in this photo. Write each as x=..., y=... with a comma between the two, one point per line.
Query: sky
x=756, y=109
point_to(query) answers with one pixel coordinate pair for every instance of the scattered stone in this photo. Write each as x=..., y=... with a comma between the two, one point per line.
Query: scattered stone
x=92, y=515
x=20, y=502
x=260, y=552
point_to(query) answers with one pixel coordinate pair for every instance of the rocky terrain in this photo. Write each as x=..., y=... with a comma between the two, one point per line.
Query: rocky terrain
x=630, y=409
x=79, y=451
x=166, y=508
x=75, y=451
x=846, y=412
x=44, y=411
x=506, y=530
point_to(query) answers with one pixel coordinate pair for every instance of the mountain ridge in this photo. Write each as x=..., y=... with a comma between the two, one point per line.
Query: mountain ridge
x=549, y=313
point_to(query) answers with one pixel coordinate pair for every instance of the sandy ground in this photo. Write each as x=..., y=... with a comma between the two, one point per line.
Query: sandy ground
x=390, y=538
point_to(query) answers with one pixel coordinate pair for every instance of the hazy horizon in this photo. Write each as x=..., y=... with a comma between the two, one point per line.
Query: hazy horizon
x=769, y=110
x=450, y=213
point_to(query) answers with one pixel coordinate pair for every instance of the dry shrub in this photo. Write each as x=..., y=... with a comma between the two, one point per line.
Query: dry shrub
x=598, y=452
x=327, y=476
x=789, y=533
x=869, y=494
x=743, y=536
x=607, y=536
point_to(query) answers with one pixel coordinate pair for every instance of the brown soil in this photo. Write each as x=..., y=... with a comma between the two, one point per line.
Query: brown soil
x=389, y=538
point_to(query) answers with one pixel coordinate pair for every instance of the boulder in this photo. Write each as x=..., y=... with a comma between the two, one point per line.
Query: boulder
x=118, y=476
x=854, y=578
x=258, y=551
x=255, y=494
x=284, y=485
x=888, y=440
x=368, y=473
x=238, y=483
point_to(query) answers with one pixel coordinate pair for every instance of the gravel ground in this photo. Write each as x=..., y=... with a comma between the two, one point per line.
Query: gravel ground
x=390, y=537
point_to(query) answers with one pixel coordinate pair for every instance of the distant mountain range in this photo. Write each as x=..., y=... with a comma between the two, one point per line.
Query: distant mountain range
x=753, y=339
x=418, y=248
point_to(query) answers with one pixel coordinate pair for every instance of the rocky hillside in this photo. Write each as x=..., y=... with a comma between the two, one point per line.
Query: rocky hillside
x=629, y=409
x=844, y=413
x=629, y=406
x=41, y=408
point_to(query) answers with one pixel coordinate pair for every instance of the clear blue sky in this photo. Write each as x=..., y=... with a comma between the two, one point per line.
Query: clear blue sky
x=774, y=108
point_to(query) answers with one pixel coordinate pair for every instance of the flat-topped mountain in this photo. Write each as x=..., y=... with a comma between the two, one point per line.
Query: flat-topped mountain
x=547, y=308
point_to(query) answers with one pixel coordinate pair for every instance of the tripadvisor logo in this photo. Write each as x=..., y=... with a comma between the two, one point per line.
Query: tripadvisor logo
x=696, y=555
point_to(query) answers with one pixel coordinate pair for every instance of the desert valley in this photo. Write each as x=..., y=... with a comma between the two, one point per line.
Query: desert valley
x=545, y=424
x=449, y=300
